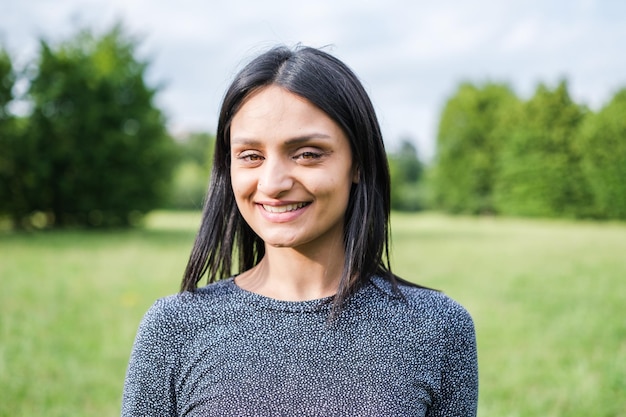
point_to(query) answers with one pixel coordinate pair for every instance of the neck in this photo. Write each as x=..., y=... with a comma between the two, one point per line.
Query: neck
x=291, y=275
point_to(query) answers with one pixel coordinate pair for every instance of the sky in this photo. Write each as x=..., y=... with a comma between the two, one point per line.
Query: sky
x=411, y=55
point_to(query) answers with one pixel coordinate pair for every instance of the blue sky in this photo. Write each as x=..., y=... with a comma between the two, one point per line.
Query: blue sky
x=411, y=55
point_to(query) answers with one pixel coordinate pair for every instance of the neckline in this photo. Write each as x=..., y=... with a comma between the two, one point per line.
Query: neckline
x=262, y=301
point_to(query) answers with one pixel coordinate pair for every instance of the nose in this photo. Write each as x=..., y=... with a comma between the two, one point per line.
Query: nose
x=275, y=177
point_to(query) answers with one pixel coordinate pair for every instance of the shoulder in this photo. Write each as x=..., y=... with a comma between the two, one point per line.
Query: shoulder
x=177, y=312
x=424, y=303
x=436, y=302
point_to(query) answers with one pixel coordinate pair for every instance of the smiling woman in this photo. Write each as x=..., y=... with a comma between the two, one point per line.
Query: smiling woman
x=312, y=322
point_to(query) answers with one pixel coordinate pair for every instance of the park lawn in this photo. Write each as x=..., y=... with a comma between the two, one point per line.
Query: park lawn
x=547, y=299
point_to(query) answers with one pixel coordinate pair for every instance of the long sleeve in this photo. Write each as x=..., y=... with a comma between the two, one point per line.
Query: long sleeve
x=149, y=388
x=459, y=379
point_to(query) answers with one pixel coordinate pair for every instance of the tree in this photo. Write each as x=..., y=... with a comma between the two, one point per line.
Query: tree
x=7, y=80
x=8, y=136
x=472, y=130
x=192, y=173
x=406, y=171
x=99, y=151
x=603, y=151
x=539, y=168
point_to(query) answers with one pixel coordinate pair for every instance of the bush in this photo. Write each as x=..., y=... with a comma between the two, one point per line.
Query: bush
x=406, y=170
x=188, y=188
x=191, y=176
x=539, y=167
x=603, y=145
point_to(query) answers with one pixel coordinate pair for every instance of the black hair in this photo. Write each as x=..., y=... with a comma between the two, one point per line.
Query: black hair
x=329, y=84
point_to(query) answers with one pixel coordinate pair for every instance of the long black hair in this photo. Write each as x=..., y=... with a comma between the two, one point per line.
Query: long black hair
x=330, y=85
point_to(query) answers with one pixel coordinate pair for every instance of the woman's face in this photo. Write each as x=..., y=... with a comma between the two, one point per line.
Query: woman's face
x=291, y=170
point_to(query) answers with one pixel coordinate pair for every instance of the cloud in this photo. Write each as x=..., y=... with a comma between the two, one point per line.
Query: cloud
x=410, y=55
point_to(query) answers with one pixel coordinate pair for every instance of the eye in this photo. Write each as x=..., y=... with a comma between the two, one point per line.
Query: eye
x=250, y=157
x=309, y=155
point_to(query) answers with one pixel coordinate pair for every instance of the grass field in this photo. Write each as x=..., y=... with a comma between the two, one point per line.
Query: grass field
x=548, y=299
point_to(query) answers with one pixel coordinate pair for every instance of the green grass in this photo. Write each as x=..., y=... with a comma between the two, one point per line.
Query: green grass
x=547, y=298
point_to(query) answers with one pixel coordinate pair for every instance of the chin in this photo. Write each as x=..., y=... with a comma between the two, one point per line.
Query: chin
x=279, y=244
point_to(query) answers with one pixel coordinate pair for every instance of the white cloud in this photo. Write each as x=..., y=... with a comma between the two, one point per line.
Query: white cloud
x=410, y=54
x=521, y=36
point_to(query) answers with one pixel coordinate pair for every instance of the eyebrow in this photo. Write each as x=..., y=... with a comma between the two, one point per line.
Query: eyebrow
x=291, y=141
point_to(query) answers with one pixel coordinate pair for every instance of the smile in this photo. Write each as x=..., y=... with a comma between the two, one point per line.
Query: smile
x=283, y=209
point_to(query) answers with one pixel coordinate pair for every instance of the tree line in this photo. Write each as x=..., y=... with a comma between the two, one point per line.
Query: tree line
x=93, y=149
x=547, y=156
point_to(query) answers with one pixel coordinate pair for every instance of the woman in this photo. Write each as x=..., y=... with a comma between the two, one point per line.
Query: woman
x=314, y=323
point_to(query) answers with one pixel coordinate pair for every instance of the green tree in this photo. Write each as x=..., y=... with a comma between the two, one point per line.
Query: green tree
x=197, y=147
x=8, y=137
x=539, y=170
x=192, y=173
x=603, y=146
x=99, y=151
x=472, y=130
x=7, y=81
x=406, y=173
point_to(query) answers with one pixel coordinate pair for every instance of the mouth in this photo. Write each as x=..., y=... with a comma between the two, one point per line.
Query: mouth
x=284, y=208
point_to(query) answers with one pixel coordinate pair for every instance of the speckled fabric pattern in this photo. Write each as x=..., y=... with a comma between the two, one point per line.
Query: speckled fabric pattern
x=224, y=351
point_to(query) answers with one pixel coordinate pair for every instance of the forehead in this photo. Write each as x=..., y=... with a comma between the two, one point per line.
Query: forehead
x=271, y=101
x=275, y=111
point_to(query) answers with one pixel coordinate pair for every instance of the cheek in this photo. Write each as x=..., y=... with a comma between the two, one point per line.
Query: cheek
x=242, y=198
x=335, y=188
x=323, y=186
x=241, y=184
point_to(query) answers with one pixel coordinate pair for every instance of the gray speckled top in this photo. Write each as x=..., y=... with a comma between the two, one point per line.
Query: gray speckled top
x=224, y=351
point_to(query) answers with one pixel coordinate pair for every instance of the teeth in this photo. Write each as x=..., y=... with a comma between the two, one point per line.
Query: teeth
x=283, y=209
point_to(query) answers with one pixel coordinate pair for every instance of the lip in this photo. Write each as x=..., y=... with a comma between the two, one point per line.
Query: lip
x=282, y=212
